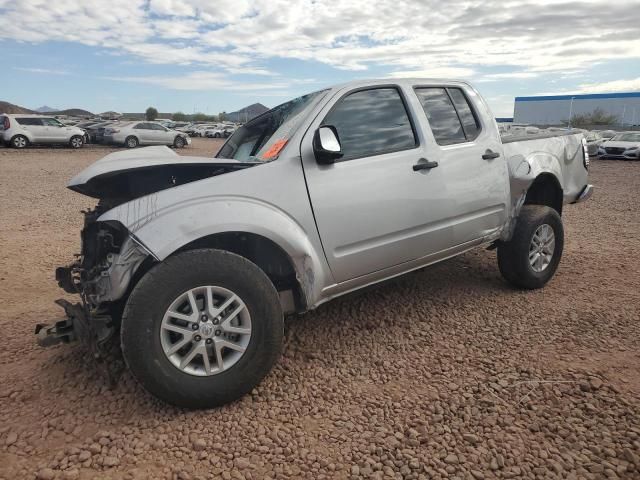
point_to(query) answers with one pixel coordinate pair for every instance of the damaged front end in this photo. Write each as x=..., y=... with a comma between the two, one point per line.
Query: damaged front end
x=101, y=274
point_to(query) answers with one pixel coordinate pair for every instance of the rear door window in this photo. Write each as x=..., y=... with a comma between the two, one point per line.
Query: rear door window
x=51, y=122
x=372, y=122
x=29, y=121
x=442, y=116
x=468, y=119
x=450, y=115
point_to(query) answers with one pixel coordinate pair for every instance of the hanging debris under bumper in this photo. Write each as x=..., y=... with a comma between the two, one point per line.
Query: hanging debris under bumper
x=89, y=328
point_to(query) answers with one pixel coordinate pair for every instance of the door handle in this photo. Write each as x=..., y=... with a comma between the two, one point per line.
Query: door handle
x=425, y=165
x=490, y=155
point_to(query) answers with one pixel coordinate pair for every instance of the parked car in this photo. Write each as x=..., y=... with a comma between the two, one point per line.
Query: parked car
x=132, y=134
x=95, y=132
x=607, y=134
x=624, y=146
x=216, y=132
x=22, y=130
x=228, y=131
x=200, y=130
x=197, y=260
x=186, y=128
x=594, y=140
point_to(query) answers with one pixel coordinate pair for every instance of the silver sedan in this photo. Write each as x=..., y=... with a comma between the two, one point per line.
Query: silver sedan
x=133, y=134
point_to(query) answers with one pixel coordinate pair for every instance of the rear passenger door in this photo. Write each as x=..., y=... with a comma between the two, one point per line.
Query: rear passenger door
x=144, y=132
x=470, y=157
x=35, y=127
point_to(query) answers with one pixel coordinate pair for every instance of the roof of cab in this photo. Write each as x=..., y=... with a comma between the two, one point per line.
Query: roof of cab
x=398, y=81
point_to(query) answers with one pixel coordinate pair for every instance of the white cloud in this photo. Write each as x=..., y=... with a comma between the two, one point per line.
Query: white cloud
x=406, y=37
x=435, y=72
x=200, y=81
x=46, y=71
x=630, y=85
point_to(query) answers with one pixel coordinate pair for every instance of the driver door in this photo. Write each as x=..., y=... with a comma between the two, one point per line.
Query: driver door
x=372, y=208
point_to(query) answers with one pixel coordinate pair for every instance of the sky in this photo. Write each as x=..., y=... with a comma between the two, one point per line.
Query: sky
x=220, y=55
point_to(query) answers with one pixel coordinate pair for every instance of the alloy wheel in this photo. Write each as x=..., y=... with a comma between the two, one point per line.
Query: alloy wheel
x=206, y=330
x=541, y=248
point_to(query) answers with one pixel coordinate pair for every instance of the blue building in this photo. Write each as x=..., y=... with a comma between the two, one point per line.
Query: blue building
x=556, y=109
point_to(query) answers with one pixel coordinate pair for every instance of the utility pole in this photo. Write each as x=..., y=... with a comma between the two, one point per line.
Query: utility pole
x=570, y=112
x=624, y=113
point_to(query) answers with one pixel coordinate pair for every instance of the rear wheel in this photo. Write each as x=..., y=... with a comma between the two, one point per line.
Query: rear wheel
x=19, y=141
x=531, y=257
x=202, y=328
x=131, y=142
x=179, y=142
x=76, y=141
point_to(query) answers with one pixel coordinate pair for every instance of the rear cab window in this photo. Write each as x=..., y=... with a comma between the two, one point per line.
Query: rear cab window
x=450, y=114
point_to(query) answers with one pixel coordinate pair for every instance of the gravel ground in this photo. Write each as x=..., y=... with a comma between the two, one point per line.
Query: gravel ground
x=445, y=373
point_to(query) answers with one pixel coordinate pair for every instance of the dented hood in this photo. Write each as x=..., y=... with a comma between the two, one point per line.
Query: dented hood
x=131, y=174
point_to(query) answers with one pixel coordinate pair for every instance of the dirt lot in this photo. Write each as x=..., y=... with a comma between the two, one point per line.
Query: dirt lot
x=446, y=373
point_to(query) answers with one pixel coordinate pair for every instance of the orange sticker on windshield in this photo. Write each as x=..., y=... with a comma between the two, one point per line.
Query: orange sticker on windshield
x=275, y=149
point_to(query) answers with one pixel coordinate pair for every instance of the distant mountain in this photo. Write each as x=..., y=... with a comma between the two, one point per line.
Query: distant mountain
x=72, y=112
x=45, y=108
x=6, y=107
x=247, y=113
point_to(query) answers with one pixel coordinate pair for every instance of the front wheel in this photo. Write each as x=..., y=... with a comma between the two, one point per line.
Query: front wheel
x=202, y=328
x=131, y=142
x=179, y=142
x=76, y=141
x=531, y=257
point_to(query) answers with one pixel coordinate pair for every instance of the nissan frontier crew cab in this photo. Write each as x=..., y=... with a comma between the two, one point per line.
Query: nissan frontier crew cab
x=194, y=261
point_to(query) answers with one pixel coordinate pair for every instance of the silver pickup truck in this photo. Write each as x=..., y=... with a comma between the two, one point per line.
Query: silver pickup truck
x=196, y=260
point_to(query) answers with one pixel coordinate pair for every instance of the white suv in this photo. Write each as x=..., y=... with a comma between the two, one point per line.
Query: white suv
x=21, y=130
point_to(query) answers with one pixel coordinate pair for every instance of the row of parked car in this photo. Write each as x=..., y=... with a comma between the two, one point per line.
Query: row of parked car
x=209, y=130
x=22, y=130
x=606, y=144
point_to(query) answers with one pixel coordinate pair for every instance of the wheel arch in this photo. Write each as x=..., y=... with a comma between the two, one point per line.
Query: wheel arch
x=545, y=190
x=265, y=253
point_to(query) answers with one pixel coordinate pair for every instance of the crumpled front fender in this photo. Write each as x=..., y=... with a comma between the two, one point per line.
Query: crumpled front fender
x=164, y=229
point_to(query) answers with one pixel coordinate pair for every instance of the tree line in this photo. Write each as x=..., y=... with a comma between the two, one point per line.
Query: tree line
x=152, y=113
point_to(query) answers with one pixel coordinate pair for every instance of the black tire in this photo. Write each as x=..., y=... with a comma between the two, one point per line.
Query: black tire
x=131, y=142
x=179, y=142
x=76, y=141
x=216, y=135
x=152, y=296
x=19, y=141
x=513, y=256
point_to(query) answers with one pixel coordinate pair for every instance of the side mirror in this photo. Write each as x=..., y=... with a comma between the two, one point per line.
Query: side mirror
x=326, y=145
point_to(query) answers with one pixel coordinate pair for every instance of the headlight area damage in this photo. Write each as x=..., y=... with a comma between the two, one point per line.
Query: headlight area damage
x=105, y=270
x=101, y=275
